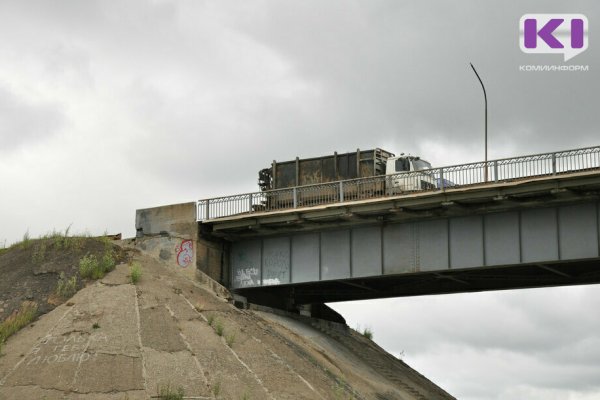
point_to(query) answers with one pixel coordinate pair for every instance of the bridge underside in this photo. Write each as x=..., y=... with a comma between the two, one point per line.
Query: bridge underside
x=582, y=272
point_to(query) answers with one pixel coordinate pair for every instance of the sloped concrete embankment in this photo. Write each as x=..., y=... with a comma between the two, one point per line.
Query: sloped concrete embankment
x=114, y=340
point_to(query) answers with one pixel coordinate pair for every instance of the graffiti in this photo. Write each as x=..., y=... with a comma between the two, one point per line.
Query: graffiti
x=185, y=255
x=61, y=349
x=246, y=277
x=276, y=268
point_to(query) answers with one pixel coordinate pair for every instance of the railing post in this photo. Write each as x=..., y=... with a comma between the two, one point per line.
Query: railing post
x=442, y=183
x=496, y=171
x=553, y=163
x=250, y=202
x=341, y=191
x=206, y=212
x=295, y=191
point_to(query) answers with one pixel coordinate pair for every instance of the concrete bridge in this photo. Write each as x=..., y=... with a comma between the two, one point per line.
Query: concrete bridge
x=536, y=225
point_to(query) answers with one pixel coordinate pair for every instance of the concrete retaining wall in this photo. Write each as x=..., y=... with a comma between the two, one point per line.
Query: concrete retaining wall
x=175, y=220
x=170, y=233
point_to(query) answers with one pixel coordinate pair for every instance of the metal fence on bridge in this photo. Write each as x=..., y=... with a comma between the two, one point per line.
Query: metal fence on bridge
x=435, y=179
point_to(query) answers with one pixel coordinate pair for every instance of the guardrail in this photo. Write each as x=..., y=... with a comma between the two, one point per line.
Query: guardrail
x=435, y=179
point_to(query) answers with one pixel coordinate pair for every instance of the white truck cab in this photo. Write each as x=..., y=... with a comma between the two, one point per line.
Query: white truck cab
x=409, y=174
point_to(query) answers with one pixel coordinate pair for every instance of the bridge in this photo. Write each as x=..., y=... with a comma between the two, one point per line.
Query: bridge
x=522, y=222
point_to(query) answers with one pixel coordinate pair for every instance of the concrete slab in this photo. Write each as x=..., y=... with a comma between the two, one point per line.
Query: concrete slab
x=110, y=373
x=176, y=370
x=120, y=276
x=159, y=330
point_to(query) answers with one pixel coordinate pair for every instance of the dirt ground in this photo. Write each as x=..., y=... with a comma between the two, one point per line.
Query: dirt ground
x=30, y=271
x=116, y=340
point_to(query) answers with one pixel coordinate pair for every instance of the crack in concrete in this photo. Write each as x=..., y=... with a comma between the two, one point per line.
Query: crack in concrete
x=189, y=347
x=258, y=380
x=139, y=335
x=289, y=367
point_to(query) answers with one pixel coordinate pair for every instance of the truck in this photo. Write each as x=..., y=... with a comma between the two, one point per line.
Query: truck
x=313, y=177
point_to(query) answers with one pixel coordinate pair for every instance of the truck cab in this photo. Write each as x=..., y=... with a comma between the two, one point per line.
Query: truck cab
x=409, y=174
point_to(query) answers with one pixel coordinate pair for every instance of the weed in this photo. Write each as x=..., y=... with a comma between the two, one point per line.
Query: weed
x=135, y=273
x=66, y=288
x=96, y=325
x=91, y=267
x=39, y=253
x=219, y=328
x=211, y=319
x=168, y=393
x=105, y=240
x=246, y=395
x=108, y=261
x=199, y=307
x=76, y=242
x=18, y=320
x=216, y=389
x=368, y=333
x=339, y=388
x=230, y=339
x=26, y=242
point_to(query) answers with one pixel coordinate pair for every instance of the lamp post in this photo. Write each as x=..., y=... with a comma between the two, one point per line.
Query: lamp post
x=485, y=98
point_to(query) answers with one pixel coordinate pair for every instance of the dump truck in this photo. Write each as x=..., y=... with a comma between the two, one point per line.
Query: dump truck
x=314, y=176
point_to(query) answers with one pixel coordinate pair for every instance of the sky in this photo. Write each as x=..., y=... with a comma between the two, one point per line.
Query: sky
x=107, y=107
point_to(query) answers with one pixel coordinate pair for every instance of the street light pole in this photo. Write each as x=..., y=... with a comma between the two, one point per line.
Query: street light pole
x=486, y=140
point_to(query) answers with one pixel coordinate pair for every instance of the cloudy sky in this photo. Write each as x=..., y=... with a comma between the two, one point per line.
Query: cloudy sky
x=106, y=107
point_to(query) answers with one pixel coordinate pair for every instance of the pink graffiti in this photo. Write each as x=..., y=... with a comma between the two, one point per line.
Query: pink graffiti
x=185, y=254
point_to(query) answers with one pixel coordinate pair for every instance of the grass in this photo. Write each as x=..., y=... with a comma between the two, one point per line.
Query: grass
x=66, y=288
x=169, y=393
x=219, y=328
x=368, y=333
x=39, y=251
x=96, y=325
x=211, y=319
x=18, y=320
x=230, y=339
x=216, y=389
x=92, y=267
x=135, y=272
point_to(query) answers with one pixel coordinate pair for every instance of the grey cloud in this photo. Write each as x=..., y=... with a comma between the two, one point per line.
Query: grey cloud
x=24, y=123
x=395, y=67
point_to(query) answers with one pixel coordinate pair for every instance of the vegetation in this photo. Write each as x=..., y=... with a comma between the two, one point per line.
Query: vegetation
x=216, y=389
x=168, y=393
x=92, y=267
x=368, y=333
x=96, y=325
x=219, y=328
x=66, y=288
x=211, y=319
x=18, y=320
x=230, y=339
x=135, y=272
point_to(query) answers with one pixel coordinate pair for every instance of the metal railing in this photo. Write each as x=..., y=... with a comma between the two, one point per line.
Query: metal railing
x=435, y=179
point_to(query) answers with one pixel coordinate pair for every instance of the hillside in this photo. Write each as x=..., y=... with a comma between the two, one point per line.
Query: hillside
x=170, y=334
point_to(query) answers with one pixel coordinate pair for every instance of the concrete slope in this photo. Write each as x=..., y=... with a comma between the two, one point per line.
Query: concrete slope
x=114, y=340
